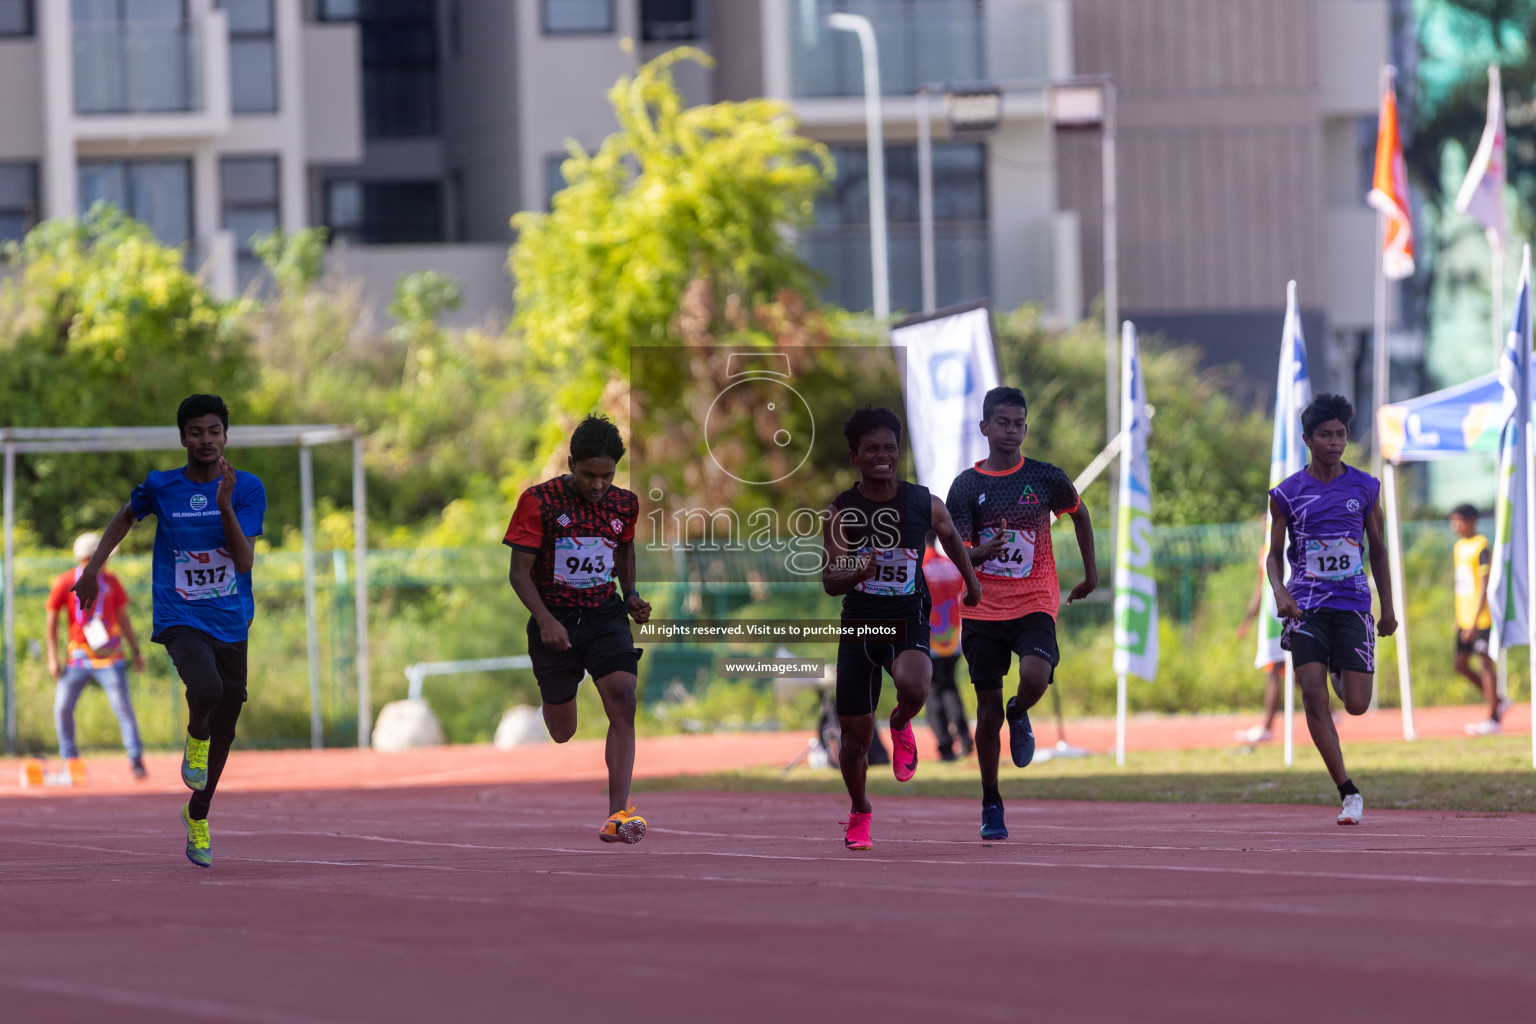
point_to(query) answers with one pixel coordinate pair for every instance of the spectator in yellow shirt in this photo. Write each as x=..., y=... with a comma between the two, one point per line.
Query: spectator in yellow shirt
x=1473, y=556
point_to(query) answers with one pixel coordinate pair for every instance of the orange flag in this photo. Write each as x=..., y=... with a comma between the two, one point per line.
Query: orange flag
x=1389, y=191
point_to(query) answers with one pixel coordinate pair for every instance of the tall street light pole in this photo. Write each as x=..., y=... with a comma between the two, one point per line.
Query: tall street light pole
x=874, y=130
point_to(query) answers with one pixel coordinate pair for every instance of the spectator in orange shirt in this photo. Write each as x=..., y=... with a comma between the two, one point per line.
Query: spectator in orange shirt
x=95, y=653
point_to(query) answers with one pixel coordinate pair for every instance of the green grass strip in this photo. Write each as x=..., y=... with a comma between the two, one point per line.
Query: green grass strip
x=1486, y=775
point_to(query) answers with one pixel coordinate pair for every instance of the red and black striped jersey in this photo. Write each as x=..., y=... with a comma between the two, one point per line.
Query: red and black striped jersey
x=574, y=541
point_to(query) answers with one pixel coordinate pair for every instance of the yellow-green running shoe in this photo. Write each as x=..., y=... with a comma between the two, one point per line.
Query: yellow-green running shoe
x=199, y=846
x=194, y=764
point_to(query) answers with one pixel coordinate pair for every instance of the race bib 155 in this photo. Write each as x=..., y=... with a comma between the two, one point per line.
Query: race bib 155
x=895, y=572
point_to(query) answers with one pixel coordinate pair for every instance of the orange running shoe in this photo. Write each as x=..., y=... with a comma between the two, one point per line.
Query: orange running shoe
x=856, y=831
x=623, y=827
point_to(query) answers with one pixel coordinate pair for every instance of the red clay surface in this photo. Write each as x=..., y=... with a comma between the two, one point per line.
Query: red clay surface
x=582, y=760
x=496, y=902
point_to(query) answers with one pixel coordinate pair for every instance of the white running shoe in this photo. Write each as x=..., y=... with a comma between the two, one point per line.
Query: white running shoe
x=1353, y=810
x=1487, y=727
x=1258, y=734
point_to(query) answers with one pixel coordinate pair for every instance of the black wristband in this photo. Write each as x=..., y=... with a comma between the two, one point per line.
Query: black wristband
x=631, y=593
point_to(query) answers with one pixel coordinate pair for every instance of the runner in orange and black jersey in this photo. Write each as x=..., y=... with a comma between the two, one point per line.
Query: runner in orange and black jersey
x=1003, y=507
x=571, y=537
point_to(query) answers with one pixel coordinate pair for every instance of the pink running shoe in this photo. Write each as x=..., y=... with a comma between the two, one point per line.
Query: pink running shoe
x=903, y=753
x=856, y=831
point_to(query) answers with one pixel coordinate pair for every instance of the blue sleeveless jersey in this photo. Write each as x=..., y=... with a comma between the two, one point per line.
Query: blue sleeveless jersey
x=1325, y=523
x=194, y=581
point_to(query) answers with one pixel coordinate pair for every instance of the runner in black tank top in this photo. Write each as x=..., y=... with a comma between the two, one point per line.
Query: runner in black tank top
x=874, y=537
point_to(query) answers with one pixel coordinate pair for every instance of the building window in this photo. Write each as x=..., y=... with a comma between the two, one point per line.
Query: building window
x=249, y=193
x=554, y=178
x=838, y=243
x=385, y=212
x=18, y=201
x=157, y=193
x=338, y=10
x=399, y=40
x=16, y=18
x=572, y=17
x=670, y=21
x=252, y=56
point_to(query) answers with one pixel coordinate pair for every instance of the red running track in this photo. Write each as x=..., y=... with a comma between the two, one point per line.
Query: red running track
x=497, y=903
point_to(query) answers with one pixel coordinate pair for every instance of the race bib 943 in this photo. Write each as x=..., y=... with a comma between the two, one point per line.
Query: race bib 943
x=1334, y=558
x=203, y=575
x=583, y=562
x=895, y=572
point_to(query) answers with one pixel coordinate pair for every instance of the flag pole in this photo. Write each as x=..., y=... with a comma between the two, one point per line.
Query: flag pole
x=1399, y=596
x=1380, y=378
x=1524, y=412
x=1120, y=720
x=1496, y=260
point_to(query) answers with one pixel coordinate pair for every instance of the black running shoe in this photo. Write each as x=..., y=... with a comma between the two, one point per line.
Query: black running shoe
x=1021, y=738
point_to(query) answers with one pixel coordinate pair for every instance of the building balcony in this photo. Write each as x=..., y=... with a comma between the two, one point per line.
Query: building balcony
x=151, y=79
x=926, y=41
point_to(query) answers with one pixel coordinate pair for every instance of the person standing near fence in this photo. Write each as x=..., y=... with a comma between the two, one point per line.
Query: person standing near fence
x=1473, y=558
x=94, y=654
x=946, y=715
x=207, y=516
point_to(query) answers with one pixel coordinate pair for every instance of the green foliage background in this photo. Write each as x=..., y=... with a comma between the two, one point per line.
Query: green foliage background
x=675, y=233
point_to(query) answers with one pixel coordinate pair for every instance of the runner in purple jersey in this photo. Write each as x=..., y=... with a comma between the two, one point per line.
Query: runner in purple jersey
x=1329, y=510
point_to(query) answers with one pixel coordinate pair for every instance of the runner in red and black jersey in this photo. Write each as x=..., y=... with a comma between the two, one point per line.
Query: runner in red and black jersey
x=874, y=535
x=1003, y=508
x=570, y=537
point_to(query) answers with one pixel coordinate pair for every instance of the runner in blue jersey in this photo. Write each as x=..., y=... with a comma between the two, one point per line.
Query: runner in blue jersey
x=207, y=514
x=1329, y=510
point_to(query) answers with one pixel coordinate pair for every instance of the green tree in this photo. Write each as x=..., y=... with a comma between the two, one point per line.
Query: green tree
x=100, y=325
x=680, y=201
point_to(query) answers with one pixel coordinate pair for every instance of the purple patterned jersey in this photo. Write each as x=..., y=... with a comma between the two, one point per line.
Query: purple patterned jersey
x=1326, y=525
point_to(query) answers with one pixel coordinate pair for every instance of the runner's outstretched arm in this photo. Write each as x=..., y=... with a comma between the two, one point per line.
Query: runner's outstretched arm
x=1274, y=565
x=86, y=586
x=1082, y=526
x=520, y=575
x=1381, y=572
x=241, y=551
x=624, y=568
x=949, y=539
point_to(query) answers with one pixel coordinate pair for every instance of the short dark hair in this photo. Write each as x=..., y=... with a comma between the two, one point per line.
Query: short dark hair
x=194, y=406
x=866, y=421
x=1465, y=512
x=1323, y=409
x=1002, y=396
x=596, y=437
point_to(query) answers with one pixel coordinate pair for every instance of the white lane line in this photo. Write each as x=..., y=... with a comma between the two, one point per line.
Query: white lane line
x=188, y=1007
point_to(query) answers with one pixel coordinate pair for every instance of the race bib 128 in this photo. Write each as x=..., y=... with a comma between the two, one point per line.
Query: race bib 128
x=583, y=562
x=202, y=575
x=1334, y=558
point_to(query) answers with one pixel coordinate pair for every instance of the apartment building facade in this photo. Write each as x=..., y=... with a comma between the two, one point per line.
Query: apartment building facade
x=414, y=129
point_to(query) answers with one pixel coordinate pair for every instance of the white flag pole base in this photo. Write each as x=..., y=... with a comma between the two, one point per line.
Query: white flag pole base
x=1290, y=712
x=1120, y=720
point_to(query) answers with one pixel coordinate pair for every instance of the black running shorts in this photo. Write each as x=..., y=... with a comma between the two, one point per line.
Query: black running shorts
x=1477, y=645
x=600, y=644
x=1345, y=641
x=860, y=664
x=989, y=646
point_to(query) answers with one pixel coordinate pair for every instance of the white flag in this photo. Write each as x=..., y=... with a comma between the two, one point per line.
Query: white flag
x=950, y=366
x=1135, y=587
x=1482, y=193
x=1507, y=582
x=1287, y=452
